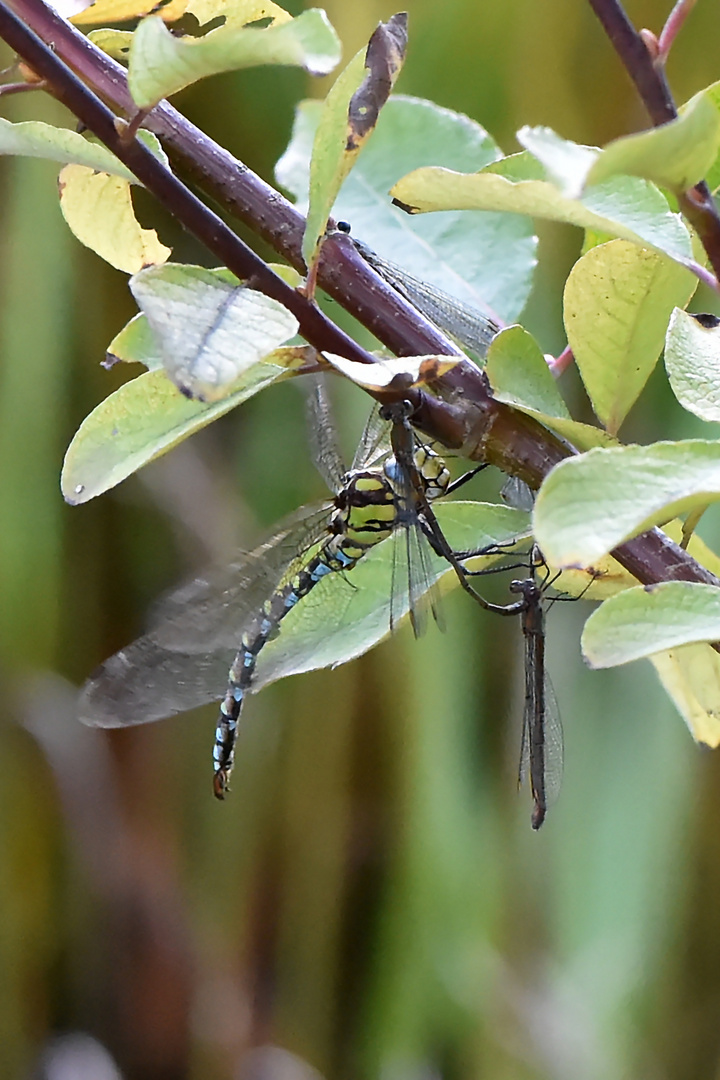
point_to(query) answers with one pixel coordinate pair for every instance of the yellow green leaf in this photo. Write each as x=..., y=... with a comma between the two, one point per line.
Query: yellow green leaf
x=99, y=210
x=147, y=417
x=115, y=43
x=617, y=304
x=237, y=12
x=691, y=676
x=676, y=155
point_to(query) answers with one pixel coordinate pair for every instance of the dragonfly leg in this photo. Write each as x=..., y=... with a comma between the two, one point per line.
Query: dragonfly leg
x=465, y=477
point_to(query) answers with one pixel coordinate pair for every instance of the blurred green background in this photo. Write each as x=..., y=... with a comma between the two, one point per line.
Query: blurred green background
x=371, y=901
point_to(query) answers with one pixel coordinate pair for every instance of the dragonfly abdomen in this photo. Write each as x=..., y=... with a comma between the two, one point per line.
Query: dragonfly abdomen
x=365, y=514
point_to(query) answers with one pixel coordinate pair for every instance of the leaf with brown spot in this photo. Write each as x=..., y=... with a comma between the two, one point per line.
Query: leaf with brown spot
x=349, y=115
x=384, y=59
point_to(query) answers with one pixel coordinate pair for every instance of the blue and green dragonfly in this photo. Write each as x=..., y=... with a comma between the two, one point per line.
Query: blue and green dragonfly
x=232, y=618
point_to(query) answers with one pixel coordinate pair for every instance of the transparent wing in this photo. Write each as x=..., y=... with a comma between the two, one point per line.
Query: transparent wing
x=374, y=442
x=146, y=682
x=343, y=617
x=412, y=576
x=413, y=588
x=542, y=750
x=322, y=433
x=554, y=744
x=472, y=328
x=183, y=661
x=516, y=493
x=212, y=610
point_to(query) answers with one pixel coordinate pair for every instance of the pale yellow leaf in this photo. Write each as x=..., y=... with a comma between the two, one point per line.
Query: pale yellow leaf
x=99, y=210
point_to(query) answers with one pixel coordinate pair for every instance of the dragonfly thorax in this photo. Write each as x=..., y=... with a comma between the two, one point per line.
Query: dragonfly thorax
x=365, y=513
x=431, y=470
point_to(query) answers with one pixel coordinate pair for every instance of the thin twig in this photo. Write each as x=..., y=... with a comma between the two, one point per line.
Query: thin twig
x=6, y=89
x=673, y=25
x=648, y=74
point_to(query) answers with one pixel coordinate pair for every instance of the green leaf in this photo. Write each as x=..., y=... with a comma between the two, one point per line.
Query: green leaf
x=32, y=138
x=711, y=94
x=519, y=373
x=591, y=503
x=692, y=361
x=485, y=260
x=520, y=376
x=99, y=210
x=210, y=329
x=624, y=207
x=639, y=622
x=135, y=344
x=330, y=163
x=676, y=155
x=617, y=303
x=161, y=64
x=147, y=417
x=343, y=618
x=349, y=115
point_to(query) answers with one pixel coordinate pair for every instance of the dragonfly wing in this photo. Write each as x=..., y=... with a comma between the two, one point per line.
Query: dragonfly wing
x=145, y=682
x=322, y=434
x=212, y=611
x=415, y=570
x=184, y=659
x=554, y=745
x=541, y=760
x=374, y=442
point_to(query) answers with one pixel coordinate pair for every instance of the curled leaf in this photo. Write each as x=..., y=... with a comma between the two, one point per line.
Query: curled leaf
x=402, y=371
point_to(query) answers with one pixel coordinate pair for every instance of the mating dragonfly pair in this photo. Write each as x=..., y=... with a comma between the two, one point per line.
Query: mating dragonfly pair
x=233, y=618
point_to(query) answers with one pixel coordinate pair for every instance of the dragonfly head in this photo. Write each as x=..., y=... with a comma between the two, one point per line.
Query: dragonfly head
x=398, y=412
x=528, y=588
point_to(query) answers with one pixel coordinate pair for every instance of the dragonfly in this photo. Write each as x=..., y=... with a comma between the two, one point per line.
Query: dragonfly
x=541, y=752
x=225, y=619
x=541, y=755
